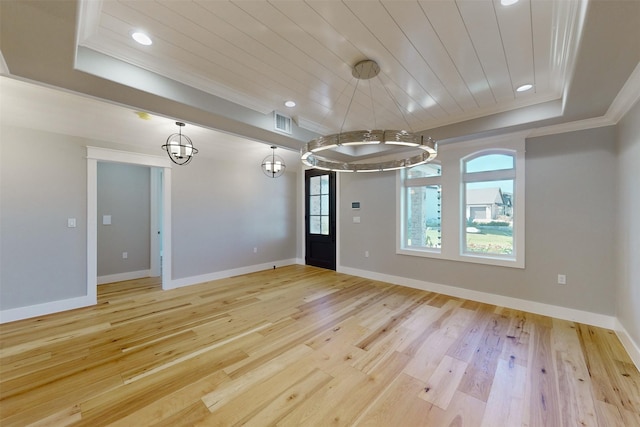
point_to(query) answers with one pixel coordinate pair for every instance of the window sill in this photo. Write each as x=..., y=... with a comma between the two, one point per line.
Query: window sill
x=476, y=259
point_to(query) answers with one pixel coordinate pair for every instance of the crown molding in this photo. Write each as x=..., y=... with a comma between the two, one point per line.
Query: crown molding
x=627, y=97
x=4, y=68
x=577, y=125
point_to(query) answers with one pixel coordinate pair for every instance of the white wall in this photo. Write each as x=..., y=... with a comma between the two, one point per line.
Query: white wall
x=224, y=208
x=628, y=216
x=41, y=259
x=570, y=200
x=221, y=209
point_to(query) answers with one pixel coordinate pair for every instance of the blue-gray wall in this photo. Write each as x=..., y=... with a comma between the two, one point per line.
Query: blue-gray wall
x=570, y=228
x=222, y=208
x=124, y=194
x=628, y=210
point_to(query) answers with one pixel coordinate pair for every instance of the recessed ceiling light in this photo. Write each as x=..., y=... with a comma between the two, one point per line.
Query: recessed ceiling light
x=524, y=88
x=142, y=38
x=508, y=2
x=290, y=104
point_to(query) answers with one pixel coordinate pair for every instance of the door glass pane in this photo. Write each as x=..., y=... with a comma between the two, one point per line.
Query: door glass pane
x=314, y=205
x=314, y=225
x=324, y=210
x=314, y=185
x=324, y=184
x=325, y=225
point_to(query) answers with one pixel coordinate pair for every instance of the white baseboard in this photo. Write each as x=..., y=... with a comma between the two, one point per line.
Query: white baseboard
x=629, y=344
x=564, y=313
x=20, y=313
x=119, y=277
x=193, y=280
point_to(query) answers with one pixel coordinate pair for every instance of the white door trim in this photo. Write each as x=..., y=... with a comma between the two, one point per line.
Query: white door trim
x=155, y=232
x=95, y=154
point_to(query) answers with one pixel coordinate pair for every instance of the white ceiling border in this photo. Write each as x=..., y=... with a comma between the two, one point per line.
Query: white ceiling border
x=623, y=102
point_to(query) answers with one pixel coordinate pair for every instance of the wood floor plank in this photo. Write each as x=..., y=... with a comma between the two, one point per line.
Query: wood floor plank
x=428, y=356
x=272, y=398
x=479, y=375
x=300, y=345
x=262, y=371
x=444, y=382
x=346, y=397
x=543, y=403
x=289, y=399
x=464, y=410
x=399, y=405
x=505, y=405
x=516, y=346
x=574, y=384
x=187, y=417
x=177, y=408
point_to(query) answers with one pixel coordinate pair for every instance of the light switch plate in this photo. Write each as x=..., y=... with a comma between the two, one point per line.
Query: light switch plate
x=71, y=222
x=106, y=219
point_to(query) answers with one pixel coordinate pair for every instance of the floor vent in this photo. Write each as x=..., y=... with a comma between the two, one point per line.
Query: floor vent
x=282, y=123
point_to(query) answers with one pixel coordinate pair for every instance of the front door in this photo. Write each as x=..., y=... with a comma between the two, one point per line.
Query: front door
x=320, y=218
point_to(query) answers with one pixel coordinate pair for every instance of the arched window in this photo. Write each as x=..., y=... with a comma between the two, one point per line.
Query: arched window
x=489, y=178
x=468, y=206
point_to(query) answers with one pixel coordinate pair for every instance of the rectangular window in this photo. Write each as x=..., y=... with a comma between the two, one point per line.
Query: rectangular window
x=489, y=218
x=423, y=217
x=423, y=208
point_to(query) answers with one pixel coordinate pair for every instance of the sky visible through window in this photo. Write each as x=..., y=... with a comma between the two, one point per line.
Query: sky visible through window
x=491, y=162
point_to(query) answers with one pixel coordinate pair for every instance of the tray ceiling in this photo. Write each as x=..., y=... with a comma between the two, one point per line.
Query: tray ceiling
x=441, y=62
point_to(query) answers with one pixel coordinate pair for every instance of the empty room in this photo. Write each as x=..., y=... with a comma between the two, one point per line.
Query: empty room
x=314, y=213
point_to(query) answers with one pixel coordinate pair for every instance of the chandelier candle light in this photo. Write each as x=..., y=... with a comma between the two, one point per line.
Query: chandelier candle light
x=179, y=147
x=384, y=139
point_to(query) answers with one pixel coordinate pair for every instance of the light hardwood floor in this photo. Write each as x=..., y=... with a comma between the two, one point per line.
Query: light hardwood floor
x=300, y=346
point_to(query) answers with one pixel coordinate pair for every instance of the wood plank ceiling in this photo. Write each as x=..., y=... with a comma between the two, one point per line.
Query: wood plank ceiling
x=442, y=61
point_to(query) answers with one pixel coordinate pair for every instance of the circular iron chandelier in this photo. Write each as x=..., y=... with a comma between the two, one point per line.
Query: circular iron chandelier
x=273, y=166
x=179, y=147
x=426, y=147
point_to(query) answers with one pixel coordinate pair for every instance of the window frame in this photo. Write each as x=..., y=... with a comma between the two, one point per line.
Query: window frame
x=453, y=208
x=419, y=182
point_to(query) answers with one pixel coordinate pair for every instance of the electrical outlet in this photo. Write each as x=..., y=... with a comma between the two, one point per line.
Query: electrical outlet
x=125, y=255
x=562, y=279
x=255, y=250
x=366, y=254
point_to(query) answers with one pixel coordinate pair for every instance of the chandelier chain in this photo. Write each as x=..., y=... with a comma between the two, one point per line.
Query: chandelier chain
x=373, y=107
x=397, y=104
x=353, y=143
x=349, y=106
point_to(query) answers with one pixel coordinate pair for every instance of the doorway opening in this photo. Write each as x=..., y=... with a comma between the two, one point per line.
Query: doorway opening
x=162, y=201
x=129, y=222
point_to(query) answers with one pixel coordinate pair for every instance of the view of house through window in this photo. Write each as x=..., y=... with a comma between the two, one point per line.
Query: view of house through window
x=489, y=181
x=468, y=205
